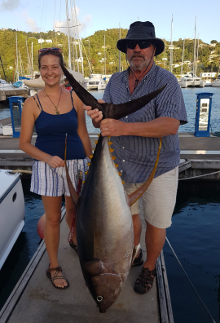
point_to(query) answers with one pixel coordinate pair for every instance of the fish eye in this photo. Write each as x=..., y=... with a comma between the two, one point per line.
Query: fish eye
x=99, y=298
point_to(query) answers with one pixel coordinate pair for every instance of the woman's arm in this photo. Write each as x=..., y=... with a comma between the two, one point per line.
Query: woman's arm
x=28, y=117
x=82, y=130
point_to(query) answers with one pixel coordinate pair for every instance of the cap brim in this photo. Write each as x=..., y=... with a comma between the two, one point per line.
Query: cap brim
x=159, y=44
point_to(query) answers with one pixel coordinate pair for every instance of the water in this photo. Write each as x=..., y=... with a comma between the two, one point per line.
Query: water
x=194, y=236
x=189, y=95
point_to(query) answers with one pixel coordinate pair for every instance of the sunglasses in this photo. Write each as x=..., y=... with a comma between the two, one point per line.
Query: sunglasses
x=141, y=43
x=49, y=48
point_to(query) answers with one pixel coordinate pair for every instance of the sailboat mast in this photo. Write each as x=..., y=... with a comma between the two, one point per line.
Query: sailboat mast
x=79, y=40
x=171, y=47
x=194, y=50
x=119, y=67
x=17, y=67
x=104, y=56
x=32, y=66
x=197, y=55
x=68, y=32
x=183, y=56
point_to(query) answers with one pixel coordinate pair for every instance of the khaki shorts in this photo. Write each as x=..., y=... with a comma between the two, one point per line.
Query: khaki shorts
x=159, y=199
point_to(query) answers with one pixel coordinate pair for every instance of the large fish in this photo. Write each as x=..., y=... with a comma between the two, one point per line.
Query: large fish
x=104, y=222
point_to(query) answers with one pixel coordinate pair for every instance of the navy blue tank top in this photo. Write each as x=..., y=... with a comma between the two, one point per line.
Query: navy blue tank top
x=51, y=134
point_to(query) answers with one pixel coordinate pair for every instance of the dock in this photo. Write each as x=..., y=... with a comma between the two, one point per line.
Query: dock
x=35, y=300
x=200, y=156
x=7, y=92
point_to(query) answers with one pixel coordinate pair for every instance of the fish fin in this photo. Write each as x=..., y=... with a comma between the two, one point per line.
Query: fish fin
x=118, y=111
x=84, y=95
x=135, y=251
x=73, y=193
x=114, y=111
x=133, y=197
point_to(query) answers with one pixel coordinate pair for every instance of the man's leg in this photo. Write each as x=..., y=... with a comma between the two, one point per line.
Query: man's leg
x=155, y=239
x=158, y=205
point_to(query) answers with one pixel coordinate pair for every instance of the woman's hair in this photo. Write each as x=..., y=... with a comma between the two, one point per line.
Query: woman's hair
x=53, y=52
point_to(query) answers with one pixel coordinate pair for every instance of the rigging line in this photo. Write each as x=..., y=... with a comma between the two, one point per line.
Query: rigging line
x=184, y=179
x=190, y=281
x=42, y=16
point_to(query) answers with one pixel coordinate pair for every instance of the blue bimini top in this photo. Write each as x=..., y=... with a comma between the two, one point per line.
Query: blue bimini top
x=51, y=134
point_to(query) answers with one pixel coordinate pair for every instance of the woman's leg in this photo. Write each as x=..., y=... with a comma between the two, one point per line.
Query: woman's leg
x=52, y=206
x=70, y=214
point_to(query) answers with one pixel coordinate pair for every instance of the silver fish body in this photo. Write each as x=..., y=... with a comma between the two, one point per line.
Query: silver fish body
x=104, y=229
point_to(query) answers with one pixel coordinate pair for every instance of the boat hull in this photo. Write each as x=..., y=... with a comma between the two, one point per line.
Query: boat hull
x=12, y=212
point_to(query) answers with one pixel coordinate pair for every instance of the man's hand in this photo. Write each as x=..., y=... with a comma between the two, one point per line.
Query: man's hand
x=95, y=114
x=112, y=127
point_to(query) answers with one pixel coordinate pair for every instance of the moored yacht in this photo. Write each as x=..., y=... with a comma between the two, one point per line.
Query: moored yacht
x=11, y=211
x=191, y=80
x=95, y=82
x=216, y=82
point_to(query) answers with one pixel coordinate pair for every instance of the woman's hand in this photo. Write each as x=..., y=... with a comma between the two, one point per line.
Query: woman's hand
x=55, y=161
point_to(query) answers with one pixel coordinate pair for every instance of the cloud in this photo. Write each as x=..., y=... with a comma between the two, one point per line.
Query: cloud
x=30, y=22
x=9, y=5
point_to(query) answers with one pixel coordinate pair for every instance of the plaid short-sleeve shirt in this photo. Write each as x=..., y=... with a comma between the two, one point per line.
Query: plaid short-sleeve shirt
x=136, y=155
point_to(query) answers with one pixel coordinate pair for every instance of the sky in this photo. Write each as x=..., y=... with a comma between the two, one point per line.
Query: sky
x=94, y=15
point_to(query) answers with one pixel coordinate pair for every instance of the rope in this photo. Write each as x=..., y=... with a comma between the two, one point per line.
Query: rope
x=217, y=134
x=184, y=179
x=190, y=281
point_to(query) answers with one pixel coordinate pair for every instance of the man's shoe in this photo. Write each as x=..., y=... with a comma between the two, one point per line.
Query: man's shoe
x=144, y=282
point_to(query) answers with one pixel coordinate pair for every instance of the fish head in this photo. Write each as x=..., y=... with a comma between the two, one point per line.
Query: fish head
x=104, y=281
x=107, y=287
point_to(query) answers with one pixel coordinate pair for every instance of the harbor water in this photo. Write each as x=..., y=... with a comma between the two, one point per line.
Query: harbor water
x=189, y=95
x=194, y=235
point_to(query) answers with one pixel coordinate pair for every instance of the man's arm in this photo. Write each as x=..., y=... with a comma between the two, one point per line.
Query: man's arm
x=160, y=127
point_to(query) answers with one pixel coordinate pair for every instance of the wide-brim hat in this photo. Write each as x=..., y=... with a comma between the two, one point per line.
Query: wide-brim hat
x=141, y=31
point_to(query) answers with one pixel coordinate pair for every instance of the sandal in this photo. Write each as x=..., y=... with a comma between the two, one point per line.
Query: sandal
x=144, y=282
x=73, y=245
x=138, y=261
x=55, y=277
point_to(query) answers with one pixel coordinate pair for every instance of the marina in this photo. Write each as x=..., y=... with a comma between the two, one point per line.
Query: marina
x=200, y=156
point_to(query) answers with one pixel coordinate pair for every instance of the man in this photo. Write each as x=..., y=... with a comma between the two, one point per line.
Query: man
x=136, y=140
x=66, y=85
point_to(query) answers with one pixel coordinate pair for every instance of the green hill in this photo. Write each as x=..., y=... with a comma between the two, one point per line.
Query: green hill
x=93, y=51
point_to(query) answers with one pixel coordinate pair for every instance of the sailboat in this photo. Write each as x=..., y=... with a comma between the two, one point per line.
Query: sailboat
x=190, y=79
x=37, y=83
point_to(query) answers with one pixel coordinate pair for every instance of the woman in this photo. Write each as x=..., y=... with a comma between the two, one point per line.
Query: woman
x=54, y=112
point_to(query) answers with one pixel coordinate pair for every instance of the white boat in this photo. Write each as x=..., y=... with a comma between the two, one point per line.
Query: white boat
x=95, y=82
x=191, y=80
x=5, y=85
x=11, y=211
x=216, y=82
x=38, y=84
